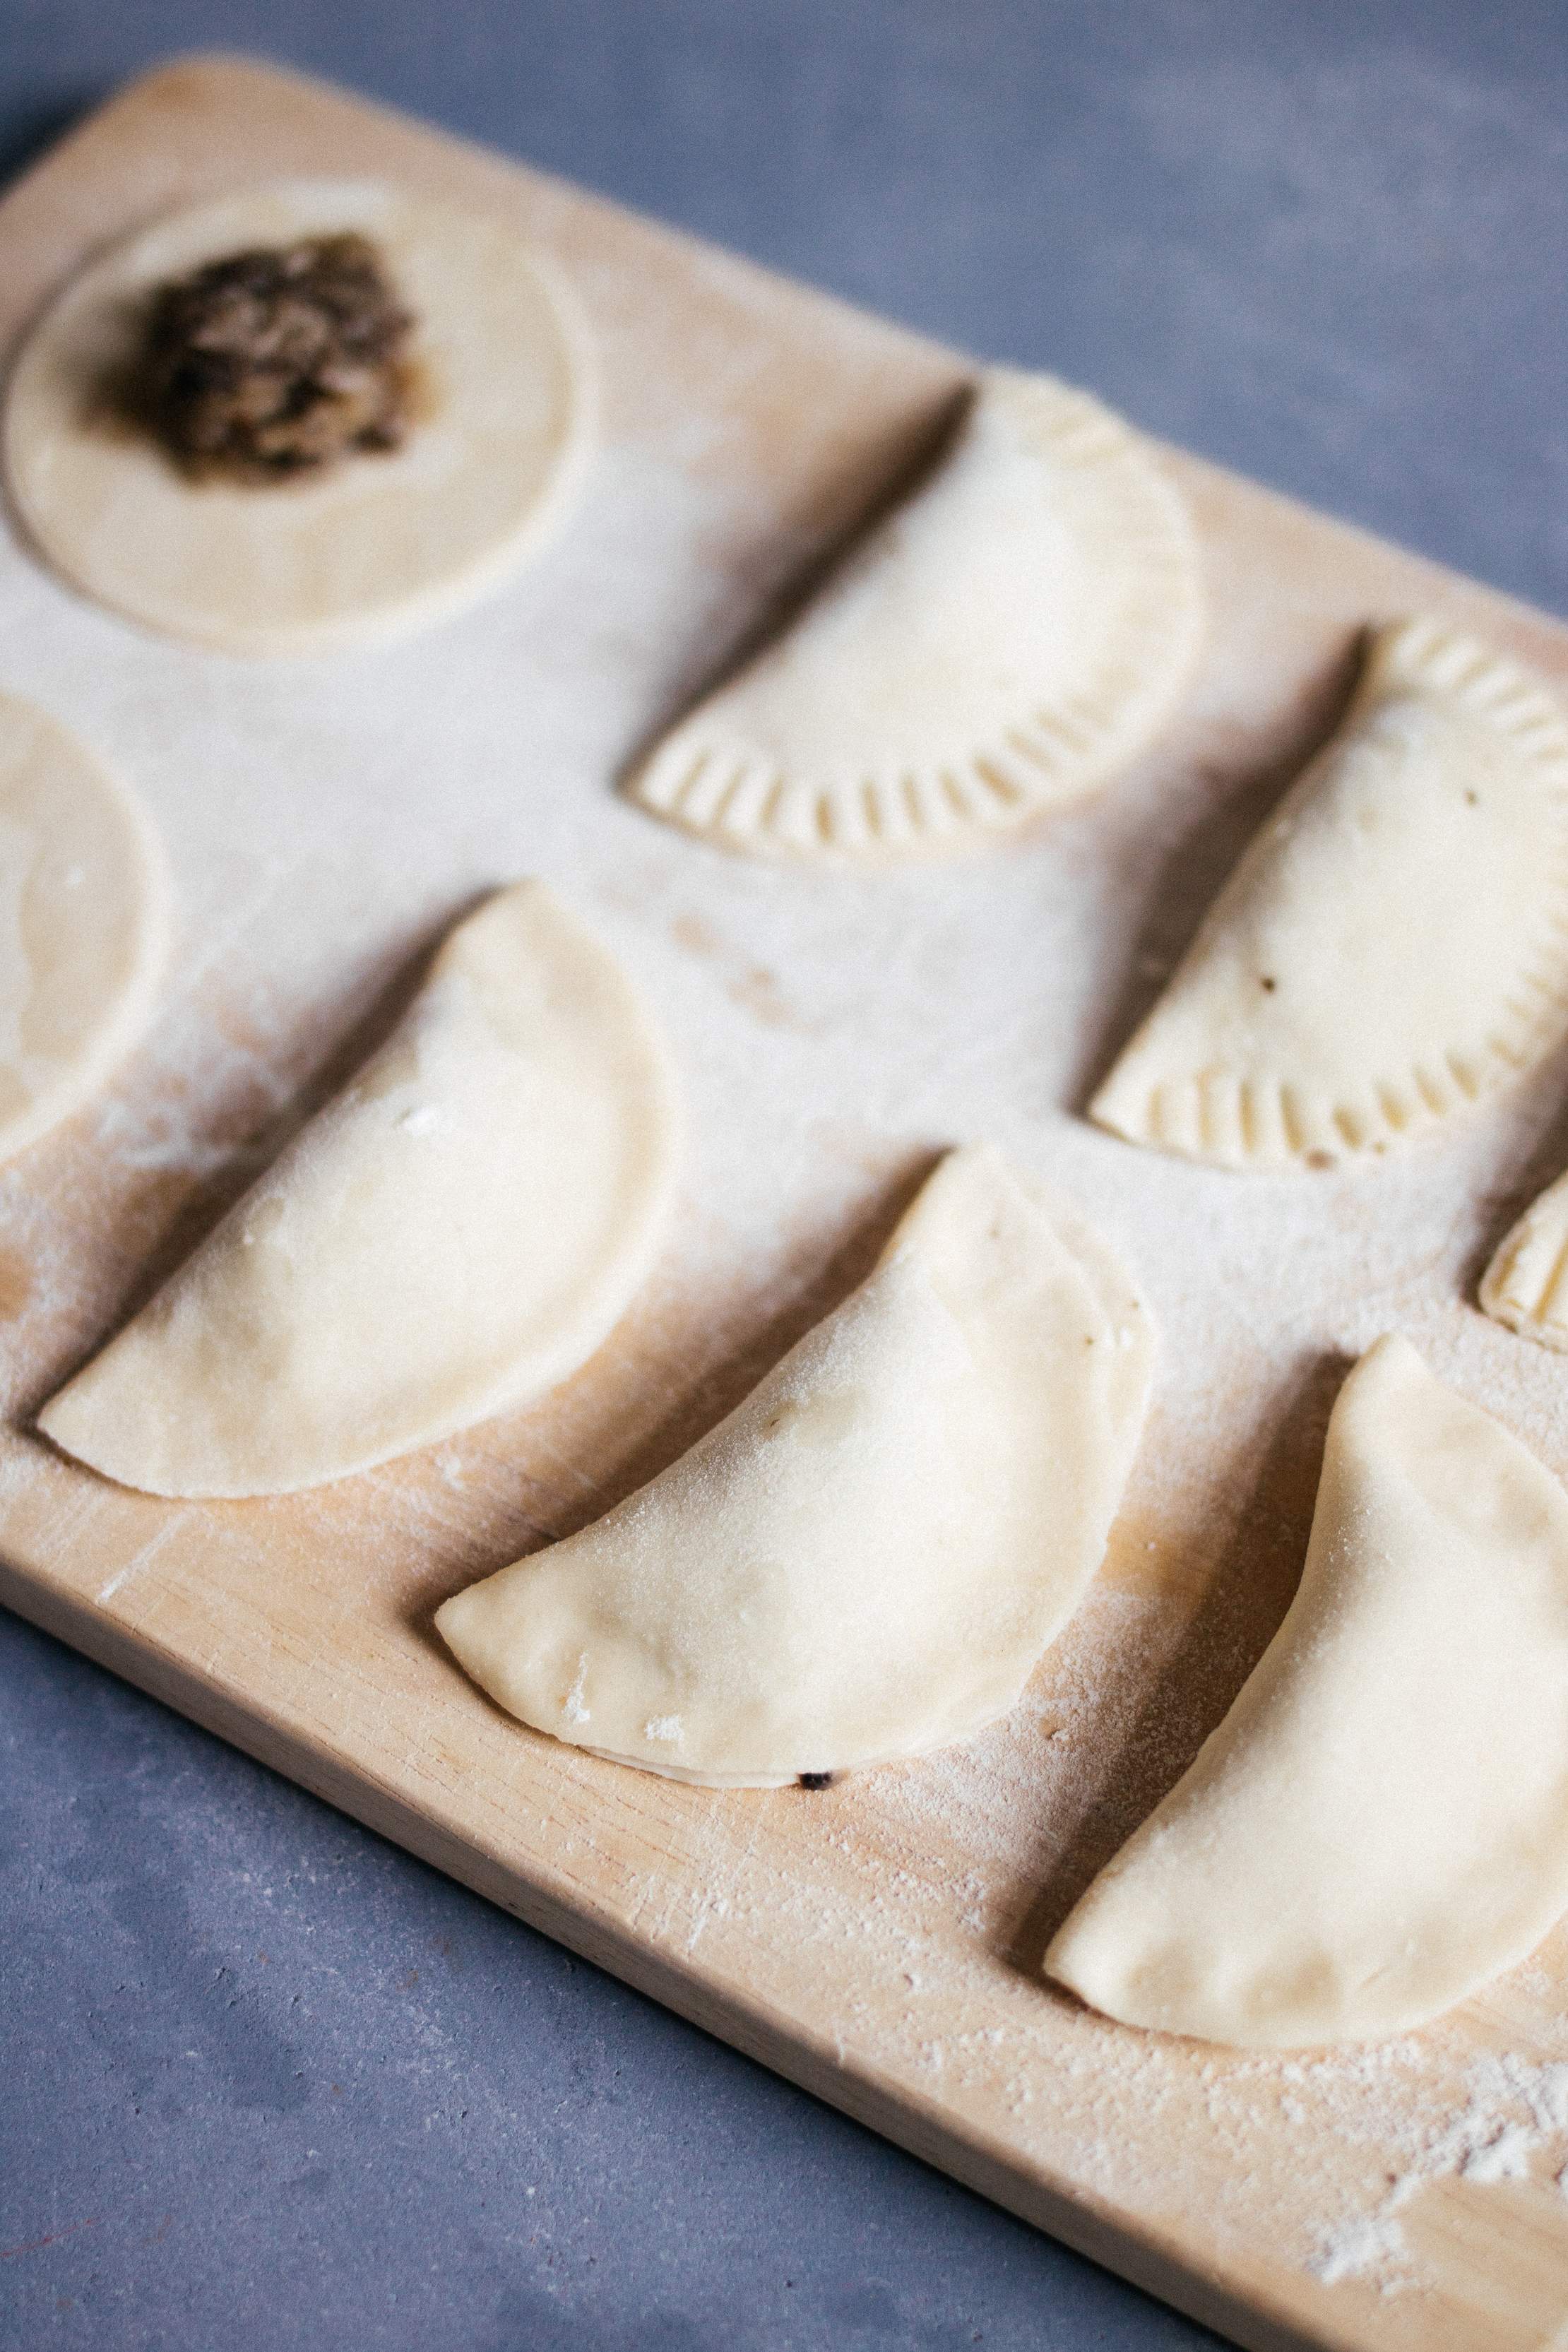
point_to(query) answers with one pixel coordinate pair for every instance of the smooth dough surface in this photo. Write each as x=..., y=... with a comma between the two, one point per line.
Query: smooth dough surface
x=1526, y=1284
x=1005, y=640
x=371, y=547
x=1379, y=1825
x=1394, y=944
x=452, y=1234
x=868, y=1557
x=84, y=923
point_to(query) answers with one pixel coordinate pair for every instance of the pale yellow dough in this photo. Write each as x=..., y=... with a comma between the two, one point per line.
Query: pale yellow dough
x=1394, y=945
x=373, y=546
x=868, y=1558
x=1379, y=1825
x=1526, y=1284
x=452, y=1235
x=84, y=923
x=1014, y=634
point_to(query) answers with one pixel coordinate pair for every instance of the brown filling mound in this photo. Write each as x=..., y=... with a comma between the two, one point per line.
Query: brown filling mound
x=273, y=361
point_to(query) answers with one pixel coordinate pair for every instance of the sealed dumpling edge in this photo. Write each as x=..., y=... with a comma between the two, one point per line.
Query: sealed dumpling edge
x=1391, y=947
x=866, y=1559
x=1526, y=1284
x=452, y=1235
x=1379, y=1826
x=1005, y=640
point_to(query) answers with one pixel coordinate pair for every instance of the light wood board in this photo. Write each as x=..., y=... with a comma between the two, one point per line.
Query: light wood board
x=880, y=1942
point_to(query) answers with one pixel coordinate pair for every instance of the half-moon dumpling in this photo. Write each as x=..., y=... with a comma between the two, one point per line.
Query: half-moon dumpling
x=1394, y=944
x=1379, y=1825
x=1526, y=1284
x=867, y=1559
x=452, y=1235
x=1004, y=641
x=84, y=923
x=368, y=547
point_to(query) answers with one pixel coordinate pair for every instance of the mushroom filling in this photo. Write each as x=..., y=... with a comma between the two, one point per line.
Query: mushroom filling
x=276, y=360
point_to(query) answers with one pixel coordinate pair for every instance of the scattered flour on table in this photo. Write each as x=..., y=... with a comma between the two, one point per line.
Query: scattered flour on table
x=1366, y=2245
x=835, y=1030
x=1516, y=2111
x=1167, y=2128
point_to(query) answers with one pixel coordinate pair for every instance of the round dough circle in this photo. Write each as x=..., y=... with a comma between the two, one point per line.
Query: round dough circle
x=370, y=548
x=84, y=923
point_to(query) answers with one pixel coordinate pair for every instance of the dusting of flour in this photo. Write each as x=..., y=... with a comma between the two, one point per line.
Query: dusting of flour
x=327, y=819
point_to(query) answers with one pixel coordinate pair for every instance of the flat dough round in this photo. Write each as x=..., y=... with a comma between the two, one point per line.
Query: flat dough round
x=868, y=1557
x=1393, y=945
x=373, y=546
x=84, y=923
x=1003, y=643
x=451, y=1236
x=1379, y=1825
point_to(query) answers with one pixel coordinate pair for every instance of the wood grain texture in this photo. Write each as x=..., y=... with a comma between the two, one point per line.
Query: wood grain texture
x=880, y=1942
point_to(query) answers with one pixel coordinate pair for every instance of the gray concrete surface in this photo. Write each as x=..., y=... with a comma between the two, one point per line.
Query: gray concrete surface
x=270, y=2085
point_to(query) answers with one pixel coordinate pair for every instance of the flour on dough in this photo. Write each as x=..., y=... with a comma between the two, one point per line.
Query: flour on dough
x=1379, y=1825
x=1393, y=945
x=868, y=1558
x=452, y=1235
x=84, y=923
x=373, y=546
x=1526, y=1284
x=1007, y=639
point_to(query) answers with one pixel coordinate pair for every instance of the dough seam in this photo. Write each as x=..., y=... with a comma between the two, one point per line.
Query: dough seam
x=1376, y=1828
x=1234, y=1116
x=1035, y=759
x=866, y=1558
x=452, y=1235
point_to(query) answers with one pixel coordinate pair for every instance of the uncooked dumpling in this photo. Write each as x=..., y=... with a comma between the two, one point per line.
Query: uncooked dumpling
x=1526, y=1284
x=84, y=923
x=1379, y=1825
x=376, y=544
x=1006, y=641
x=867, y=1559
x=1394, y=944
x=452, y=1235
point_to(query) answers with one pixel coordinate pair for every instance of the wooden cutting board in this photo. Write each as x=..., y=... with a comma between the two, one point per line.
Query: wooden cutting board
x=879, y=1942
